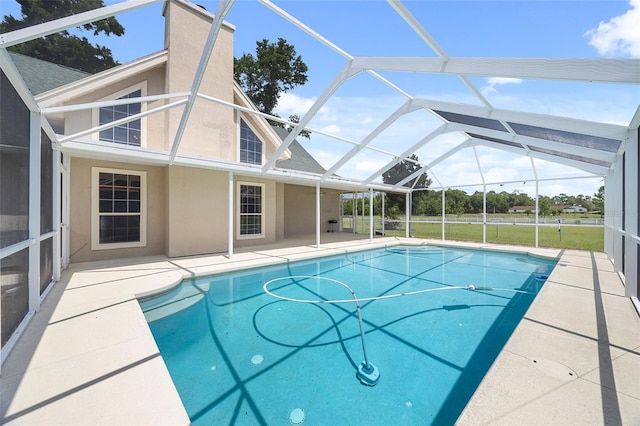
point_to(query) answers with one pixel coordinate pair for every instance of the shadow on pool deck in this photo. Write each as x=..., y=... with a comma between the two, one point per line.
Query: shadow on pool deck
x=88, y=356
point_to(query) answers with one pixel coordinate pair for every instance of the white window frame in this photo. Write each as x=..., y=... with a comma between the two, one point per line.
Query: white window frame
x=95, y=113
x=262, y=155
x=95, y=206
x=239, y=236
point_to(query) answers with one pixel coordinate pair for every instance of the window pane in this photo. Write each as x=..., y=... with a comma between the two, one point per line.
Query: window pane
x=46, y=184
x=250, y=209
x=120, y=207
x=106, y=116
x=134, y=137
x=106, y=135
x=46, y=263
x=14, y=165
x=119, y=193
x=250, y=145
x=122, y=133
x=106, y=206
x=14, y=282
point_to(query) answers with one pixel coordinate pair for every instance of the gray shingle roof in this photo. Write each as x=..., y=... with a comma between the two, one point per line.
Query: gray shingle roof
x=300, y=159
x=42, y=76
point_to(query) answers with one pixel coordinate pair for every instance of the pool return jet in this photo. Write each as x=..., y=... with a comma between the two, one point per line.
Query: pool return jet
x=367, y=373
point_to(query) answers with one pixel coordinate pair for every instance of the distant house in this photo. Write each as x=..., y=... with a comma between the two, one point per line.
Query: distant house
x=522, y=209
x=570, y=209
x=564, y=208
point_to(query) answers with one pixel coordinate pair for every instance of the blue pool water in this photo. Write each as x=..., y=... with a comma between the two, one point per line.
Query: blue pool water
x=238, y=355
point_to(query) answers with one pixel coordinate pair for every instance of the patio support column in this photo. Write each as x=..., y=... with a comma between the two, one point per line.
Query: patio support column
x=230, y=224
x=370, y=214
x=631, y=209
x=354, y=212
x=484, y=197
x=34, y=212
x=57, y=256
x=382, y=213
x=535, y=174
x=66, y=208
x=408, y=215
x=484, y=214
x=443, y=237
x=318, y=214
x=537, y=213
x=363, y=197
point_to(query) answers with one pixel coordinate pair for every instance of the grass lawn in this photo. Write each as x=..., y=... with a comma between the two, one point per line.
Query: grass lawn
x=573, y=237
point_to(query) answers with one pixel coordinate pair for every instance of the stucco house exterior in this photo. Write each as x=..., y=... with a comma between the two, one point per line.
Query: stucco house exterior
x=143, y=207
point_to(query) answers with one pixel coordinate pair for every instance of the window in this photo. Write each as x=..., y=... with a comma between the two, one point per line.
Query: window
x=250, y=145
x=251, y=208
x=118, y=209
x=126, y=133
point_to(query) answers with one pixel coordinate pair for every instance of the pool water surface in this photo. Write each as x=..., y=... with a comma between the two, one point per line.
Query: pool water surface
x=238, y=355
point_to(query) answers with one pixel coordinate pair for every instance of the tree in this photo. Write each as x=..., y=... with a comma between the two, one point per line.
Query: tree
x=598, y=200
x=544, y=204
x=396, y=174
x=275, y=69
x=63, y=48
x=295, y=119
x=404, y=169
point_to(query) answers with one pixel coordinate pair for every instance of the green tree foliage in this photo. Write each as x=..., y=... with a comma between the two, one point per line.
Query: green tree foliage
x=396, y=202
x=275, y=69
x=295, y=119
x=544, y=204
x=63, y=48
x=598, y=200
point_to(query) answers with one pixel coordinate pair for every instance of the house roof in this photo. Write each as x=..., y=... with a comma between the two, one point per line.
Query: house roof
x=300, y=159
x=42, y=76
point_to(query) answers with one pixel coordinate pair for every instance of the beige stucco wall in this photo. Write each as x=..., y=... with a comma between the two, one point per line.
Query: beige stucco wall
x=152, y=82
x=211, y=129
x=197, y=211
x=80, y=212
x=300, y=209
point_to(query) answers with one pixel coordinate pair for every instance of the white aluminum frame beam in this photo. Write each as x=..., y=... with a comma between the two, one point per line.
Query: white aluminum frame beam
x=467, y=143
x=527, y=142
x=405, y=108
x=584, y=127
x=587, y=167
x=404, y=156
x=622, y=71
x=25, y=34
x=293, y=20
x=345, y=74
x=417, y=27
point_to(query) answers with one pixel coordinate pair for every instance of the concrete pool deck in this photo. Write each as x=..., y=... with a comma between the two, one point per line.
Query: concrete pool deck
x=88, y=356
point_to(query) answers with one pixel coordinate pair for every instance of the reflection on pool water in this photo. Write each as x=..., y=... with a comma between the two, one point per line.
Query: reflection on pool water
x=434, y=320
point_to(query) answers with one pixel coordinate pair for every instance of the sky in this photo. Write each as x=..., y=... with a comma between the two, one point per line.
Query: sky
x=472, y=28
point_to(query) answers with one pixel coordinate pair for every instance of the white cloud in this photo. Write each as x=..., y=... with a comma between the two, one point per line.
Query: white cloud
x=333, y=129
x=290, y=103
x=493, y=82
x=620, y=35
x=368, y=167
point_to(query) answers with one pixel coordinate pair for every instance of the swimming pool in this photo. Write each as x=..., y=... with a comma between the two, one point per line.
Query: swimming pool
x=239, y=355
